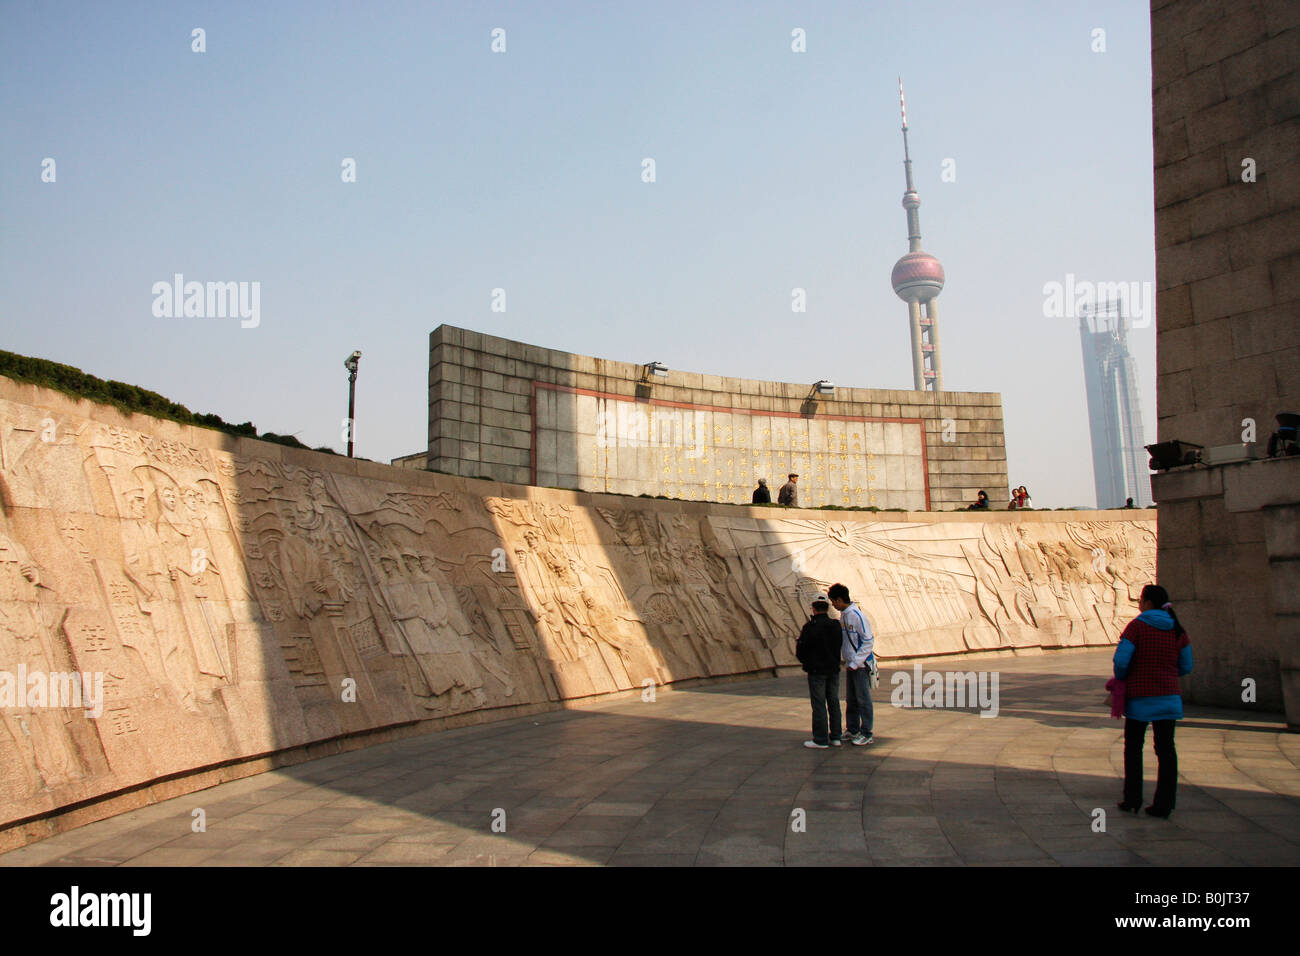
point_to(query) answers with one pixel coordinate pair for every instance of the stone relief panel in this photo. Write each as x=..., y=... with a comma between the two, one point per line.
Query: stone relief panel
x=232, y=606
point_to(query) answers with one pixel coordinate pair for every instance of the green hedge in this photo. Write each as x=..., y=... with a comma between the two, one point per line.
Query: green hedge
x=126, y=398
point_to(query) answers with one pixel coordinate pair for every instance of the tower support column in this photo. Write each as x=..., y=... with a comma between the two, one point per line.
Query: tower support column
x=918, y=357
x=932, y=313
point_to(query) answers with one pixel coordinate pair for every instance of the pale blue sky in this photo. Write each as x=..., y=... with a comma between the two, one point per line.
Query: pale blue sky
x=522, y=171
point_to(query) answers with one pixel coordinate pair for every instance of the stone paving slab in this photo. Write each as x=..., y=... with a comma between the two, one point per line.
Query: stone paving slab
x=718, y=776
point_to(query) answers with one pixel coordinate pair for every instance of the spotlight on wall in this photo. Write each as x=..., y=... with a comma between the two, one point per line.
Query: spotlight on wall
x=824, y=387
x=1286, y=440
x=1173, y=454
x=656, y=368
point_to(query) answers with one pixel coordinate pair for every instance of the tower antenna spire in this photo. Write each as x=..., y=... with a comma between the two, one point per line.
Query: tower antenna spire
x=907, y=156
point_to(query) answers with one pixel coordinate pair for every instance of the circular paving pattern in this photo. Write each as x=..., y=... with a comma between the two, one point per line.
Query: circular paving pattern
x=717, y=775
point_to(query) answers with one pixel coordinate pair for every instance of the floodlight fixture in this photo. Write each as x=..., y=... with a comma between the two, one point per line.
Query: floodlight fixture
x=1286, y=440
x=1173, y=454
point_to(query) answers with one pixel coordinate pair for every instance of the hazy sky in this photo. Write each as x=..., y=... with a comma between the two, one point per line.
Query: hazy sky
x=522, y=170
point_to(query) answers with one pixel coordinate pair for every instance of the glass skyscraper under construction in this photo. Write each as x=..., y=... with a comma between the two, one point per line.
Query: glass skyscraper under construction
x=1119, y=458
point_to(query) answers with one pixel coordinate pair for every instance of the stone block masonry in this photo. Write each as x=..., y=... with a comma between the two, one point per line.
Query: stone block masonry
x=520, y=413
x=1226, y=97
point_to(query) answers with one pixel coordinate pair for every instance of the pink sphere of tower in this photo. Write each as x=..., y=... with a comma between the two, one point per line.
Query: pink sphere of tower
x=917, y=276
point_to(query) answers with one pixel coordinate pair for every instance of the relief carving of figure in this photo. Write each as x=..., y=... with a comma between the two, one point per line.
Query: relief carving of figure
x=305, y=574
x=552, y=579
x=42, y=753
x=191, y=567
x=421, y=612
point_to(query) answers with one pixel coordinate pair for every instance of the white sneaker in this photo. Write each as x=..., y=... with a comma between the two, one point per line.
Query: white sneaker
x=861, y=740
x=814, y=745
x=836, y=742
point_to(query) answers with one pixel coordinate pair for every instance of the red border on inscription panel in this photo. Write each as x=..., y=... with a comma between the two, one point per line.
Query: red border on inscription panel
x=532, y=408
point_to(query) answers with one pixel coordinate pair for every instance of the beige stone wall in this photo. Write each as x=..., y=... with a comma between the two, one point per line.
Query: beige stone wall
x=243, y=602
x=417, y=461
x=1226, y=88
x=489, y=396
x=1233, y=544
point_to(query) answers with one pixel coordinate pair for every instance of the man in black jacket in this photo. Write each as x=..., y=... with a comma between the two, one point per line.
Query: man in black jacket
x=761, y=495
x=818, y=650
x=789, y=493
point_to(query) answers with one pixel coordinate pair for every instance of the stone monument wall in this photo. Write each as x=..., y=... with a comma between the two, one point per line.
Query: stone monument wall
x=1226, y=89
x=235, y=605
x=529, y=415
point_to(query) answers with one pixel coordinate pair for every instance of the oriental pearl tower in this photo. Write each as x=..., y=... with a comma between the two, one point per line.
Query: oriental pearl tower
x=918, y=280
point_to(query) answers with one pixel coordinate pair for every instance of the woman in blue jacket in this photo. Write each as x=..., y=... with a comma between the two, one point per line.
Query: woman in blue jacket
x=1153, y=652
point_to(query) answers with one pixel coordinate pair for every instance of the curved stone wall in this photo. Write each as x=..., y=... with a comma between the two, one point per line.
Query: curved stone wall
x=235, y=604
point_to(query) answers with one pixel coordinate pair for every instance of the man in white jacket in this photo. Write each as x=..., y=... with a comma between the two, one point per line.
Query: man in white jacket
x=858, y=651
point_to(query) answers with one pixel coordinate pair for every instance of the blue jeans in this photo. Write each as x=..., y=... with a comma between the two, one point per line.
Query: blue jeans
x=824, y=690
x=857, y=695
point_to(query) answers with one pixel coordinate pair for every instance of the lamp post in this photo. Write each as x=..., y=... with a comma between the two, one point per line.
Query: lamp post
x=351, y=363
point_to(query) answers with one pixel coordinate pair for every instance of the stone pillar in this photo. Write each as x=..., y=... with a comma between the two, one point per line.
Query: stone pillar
x=1224, y=79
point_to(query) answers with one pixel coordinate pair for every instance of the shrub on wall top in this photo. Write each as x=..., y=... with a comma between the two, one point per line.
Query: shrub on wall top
x=124, y=397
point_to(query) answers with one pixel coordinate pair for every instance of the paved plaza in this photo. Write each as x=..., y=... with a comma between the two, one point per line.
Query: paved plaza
x=715, y=775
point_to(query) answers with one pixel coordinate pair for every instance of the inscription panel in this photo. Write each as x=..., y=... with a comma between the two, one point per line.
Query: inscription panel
x=699, y=454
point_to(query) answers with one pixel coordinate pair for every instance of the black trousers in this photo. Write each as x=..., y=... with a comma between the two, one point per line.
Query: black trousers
x=1135, y=735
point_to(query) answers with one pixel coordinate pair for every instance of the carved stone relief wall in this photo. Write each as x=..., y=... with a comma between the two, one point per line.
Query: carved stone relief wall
x=236, y=598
